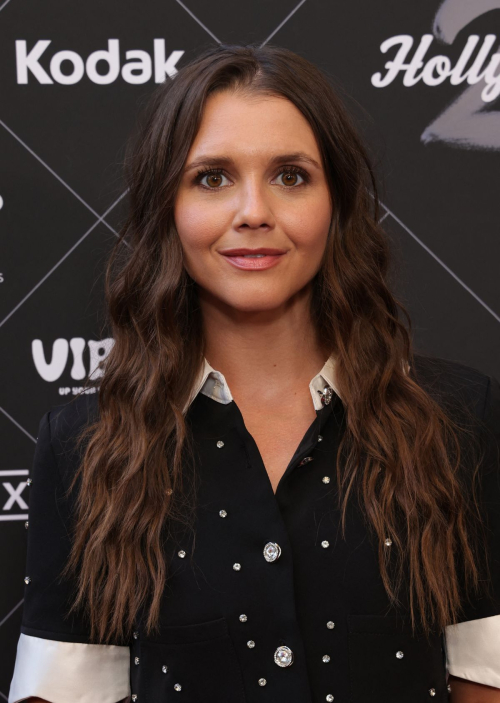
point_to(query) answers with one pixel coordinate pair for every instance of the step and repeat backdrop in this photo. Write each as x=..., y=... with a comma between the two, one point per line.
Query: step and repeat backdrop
x=423, y=82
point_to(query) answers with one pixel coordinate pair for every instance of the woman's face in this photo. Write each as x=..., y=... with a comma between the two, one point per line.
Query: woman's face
x=262, y=194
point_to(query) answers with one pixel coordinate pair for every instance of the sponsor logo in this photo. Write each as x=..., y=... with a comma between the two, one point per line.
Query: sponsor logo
x=139, y=66
x=70, y=352
x=438, y=69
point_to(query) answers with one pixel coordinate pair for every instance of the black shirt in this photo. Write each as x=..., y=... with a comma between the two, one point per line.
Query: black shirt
x=266, y=601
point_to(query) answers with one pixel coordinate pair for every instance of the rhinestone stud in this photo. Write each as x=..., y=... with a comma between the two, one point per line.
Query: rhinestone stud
x=169, y=491
x=177, y=686
x=135, y=635
x=329, y=698
x=305, y=460
x=320, y=438
x=330, y=625
x=432, y=692
x=220, y=444
x=181, y=553
x=271, y=551
x=262, y=682
x=134, y=696
x=326, y=479
x=222, y=513
x=29, y=482
x=250, y=644
x=325, y=658
x=164, y=668
x=449, y=688
x=283, y=656
x=388, y=542
x=237, y=567
x=136, y=660
x=326, y=395
x=325, y=543
x=400, y=654
x=27, y=580
x=26, y=524
x=243, y=618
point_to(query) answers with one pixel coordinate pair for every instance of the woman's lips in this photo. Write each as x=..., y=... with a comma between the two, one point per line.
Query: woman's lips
x=254, y=263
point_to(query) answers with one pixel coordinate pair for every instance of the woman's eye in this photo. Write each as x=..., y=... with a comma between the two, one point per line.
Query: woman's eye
x=290, y=177
x=213, y=178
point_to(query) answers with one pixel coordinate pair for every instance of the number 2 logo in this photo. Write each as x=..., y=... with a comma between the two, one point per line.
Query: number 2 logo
x=465, y=123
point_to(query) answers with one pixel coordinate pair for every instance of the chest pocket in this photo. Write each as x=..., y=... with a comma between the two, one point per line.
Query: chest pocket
x=387, y=663
x=199, y=658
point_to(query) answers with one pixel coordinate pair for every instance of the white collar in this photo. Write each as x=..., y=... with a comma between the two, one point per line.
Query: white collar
x=212, y=383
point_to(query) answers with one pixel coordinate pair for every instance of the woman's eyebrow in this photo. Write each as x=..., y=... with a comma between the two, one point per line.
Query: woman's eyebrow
x=206, y=160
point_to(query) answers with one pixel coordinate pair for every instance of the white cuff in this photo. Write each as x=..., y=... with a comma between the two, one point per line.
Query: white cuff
x=70, y=671
x=473, y=650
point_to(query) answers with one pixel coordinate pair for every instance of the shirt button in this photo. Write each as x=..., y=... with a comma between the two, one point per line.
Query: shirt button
x=250, y=644
x=272, y=551
x=325, y=543
x=283, y=656
x=243, y=618
x=326, y=658
x=326, y=479
x=330, y=625
x=237, y=567
x=329, y=698
x=262, y=682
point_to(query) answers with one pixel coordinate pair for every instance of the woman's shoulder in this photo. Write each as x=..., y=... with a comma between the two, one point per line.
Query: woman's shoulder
x=66, y=421
x=454, y=383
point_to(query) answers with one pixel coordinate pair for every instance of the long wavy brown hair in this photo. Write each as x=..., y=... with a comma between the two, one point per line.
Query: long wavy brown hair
x=401, y=450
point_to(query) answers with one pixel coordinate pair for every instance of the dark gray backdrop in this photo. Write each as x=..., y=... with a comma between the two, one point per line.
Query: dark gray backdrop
x=423, y=87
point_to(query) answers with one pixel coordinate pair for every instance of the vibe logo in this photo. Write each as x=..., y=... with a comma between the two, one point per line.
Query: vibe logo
x=72, y=350
x=139, y=68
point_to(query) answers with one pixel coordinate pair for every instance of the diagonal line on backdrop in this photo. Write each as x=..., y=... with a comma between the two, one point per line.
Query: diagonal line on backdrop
x=73, y=192
x=5, y=3
x=441, y=263
x=11, y=612
x=383, y=218
x=100, y=219
x=218, y=40
x=9, y=417
x=199, y=21
x=283, y=22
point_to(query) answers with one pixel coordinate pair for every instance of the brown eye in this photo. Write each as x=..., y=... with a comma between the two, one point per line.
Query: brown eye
x=213, y=178
x=290, y=174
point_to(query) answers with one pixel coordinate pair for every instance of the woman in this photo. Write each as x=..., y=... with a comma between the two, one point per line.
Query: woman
x=278, y=500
